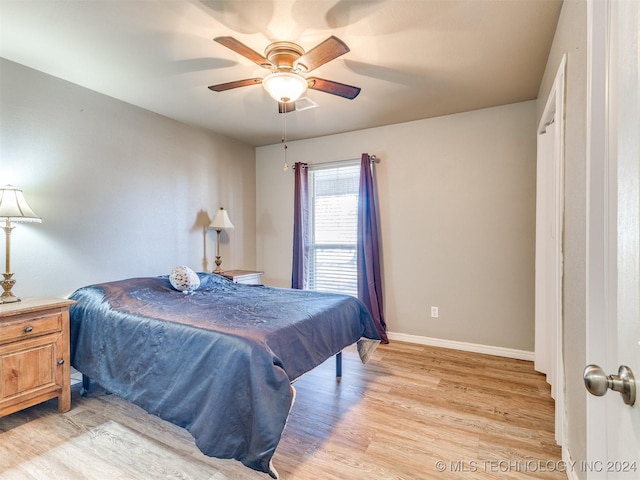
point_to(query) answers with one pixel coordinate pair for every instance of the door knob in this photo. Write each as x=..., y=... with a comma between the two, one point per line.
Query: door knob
x=598, y=382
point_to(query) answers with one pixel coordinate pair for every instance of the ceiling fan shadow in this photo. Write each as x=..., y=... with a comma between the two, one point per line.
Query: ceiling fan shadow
x=242, y=17
x=348, y=12
x=314, y=15
x=189, y=65
x=373, y=18
x=403, y=77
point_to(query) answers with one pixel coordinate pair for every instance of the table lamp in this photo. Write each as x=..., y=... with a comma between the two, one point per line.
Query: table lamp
x=220, y=222
x=13, y=209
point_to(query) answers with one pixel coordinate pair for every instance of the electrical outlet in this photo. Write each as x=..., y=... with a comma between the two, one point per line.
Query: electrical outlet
x=434, y=312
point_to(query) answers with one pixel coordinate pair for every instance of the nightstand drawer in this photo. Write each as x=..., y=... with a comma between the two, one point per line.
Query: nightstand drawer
x=21, y=329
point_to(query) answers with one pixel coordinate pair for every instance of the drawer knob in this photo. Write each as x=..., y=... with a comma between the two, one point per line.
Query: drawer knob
x=28, y=329
x=60, y=361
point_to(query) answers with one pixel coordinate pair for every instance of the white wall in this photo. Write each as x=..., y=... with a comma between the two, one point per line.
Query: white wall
x=571, y=38
x=457, y=207
x=121, y=191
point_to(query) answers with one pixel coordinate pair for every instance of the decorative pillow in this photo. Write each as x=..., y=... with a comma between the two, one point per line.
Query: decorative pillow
x=184, y=279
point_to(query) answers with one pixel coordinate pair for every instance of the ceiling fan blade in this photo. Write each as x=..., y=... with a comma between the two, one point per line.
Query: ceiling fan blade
x=334, y=88
x=243, y=50
x=286, y=107
x=322, y=53
x=221, y=87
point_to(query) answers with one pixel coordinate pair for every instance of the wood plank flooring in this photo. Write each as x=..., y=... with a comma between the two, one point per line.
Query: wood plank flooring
x=413, y=412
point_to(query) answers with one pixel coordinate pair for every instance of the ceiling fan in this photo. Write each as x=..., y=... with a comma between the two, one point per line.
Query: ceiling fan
x=287, y=61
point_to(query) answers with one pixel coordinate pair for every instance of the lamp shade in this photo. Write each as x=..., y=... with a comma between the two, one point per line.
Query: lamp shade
x=221, y=220
x=14, y=207
x=284, y=86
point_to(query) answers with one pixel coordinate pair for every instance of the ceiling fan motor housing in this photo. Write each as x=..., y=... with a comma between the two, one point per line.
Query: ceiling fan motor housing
x=283, y=55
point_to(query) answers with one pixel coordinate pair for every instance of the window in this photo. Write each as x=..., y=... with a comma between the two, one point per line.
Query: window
x=333, y=218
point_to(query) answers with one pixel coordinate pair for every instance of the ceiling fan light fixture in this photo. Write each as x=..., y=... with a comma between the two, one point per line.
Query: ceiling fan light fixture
x=284, y=86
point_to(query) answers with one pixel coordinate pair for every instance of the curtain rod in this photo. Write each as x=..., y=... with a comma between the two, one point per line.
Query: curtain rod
x=336, y=163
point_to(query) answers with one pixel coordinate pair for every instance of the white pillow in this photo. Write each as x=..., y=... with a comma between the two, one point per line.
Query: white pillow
x=184, y=279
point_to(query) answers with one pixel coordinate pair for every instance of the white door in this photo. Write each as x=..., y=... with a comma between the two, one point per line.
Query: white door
x=613, y=324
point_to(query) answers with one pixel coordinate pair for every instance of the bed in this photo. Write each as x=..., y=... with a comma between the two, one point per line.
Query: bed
x=218, y=361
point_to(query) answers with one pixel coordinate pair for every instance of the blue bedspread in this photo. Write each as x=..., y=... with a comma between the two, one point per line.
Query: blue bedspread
x=219, y=361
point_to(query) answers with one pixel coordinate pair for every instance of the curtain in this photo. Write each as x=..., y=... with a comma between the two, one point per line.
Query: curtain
x=300, y=227
x=368, y=250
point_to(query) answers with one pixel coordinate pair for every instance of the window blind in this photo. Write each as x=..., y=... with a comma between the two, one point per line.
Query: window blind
x=333, y=229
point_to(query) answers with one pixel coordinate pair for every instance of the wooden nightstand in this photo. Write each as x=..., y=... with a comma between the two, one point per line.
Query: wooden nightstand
x=248, y=277
x=34, y=354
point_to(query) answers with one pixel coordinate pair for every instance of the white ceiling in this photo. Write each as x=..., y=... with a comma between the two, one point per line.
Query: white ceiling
x=413, y=59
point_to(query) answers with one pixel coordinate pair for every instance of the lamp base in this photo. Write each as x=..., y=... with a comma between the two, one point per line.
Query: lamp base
x=218, y=270
x=7, y=285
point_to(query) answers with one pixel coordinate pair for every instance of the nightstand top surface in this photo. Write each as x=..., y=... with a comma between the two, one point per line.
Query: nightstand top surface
x=239, y=273
x=33, y=304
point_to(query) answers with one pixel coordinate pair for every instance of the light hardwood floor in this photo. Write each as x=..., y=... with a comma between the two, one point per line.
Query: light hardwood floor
x=413, y=412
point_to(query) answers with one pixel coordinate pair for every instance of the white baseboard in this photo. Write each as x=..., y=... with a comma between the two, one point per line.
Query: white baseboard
x=464, y=346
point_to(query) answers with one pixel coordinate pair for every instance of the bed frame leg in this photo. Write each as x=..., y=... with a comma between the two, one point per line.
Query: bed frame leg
x=338, y=366
x=86, y=381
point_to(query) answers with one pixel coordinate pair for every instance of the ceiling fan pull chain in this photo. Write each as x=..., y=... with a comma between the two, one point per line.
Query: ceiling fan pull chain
x=284, y=140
